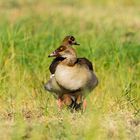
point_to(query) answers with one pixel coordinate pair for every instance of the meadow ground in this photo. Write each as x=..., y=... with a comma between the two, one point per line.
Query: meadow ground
x=109, y=34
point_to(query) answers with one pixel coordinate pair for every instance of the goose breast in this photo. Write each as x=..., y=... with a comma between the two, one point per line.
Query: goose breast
x=73, y=77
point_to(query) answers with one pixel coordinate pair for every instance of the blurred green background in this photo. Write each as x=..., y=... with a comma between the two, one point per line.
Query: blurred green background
x=109, y=34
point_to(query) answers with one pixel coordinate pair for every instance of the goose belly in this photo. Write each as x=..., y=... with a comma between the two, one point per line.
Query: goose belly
x=74, y=77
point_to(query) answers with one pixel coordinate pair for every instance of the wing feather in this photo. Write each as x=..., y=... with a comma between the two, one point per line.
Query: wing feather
x=85, y=61
x=54, y=64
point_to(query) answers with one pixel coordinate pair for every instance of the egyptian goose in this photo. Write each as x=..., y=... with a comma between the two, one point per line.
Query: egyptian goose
x=72, y=78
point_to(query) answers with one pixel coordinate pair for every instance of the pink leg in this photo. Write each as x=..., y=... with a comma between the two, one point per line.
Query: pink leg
x=67, y=99
x=60, y=103
x=84, y=104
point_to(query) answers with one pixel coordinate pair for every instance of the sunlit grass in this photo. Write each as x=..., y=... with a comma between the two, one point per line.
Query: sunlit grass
x=108, y=32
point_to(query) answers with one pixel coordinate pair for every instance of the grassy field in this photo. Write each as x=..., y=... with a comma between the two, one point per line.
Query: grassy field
x=109, y=34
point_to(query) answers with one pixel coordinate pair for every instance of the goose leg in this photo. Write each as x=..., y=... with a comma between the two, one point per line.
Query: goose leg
x=67, y=99
x=60, y=103
x=84, y=104
x=79, y=99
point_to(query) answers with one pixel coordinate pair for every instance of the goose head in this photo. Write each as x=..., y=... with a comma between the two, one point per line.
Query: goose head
x=64, y=52
x=69, y=41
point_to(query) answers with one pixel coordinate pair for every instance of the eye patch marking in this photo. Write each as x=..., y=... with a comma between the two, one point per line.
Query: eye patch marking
x=61, y=48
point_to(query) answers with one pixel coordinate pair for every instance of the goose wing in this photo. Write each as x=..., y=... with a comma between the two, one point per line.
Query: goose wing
x=81, y=61
x=54, y=64
x=85, y=61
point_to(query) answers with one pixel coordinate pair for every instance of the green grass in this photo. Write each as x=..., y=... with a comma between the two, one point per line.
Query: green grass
x=109, y=34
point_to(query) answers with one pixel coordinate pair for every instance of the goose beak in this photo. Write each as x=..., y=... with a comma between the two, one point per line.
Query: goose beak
x=53, y=54
x=75, y=43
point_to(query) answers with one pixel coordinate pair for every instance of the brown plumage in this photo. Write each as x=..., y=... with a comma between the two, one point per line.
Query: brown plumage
x=72, y=78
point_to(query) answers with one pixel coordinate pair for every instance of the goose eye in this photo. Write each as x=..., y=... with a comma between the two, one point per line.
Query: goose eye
x=61, y=48
x=72, y=38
